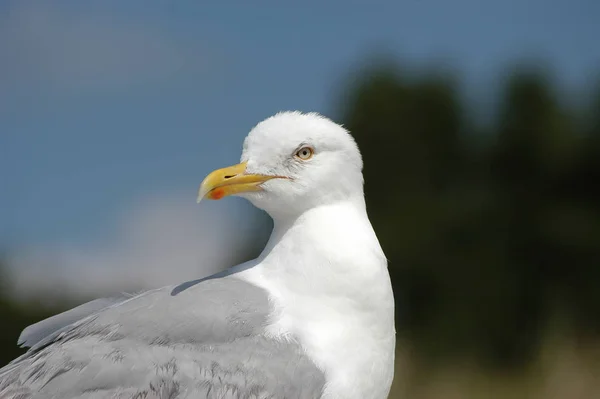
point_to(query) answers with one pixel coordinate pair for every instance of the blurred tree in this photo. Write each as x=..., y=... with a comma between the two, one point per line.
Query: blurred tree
x=484, y=242
x=535, y=144
x=575, y=229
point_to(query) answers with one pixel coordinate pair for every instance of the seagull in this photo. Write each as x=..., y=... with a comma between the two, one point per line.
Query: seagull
x=311, y=317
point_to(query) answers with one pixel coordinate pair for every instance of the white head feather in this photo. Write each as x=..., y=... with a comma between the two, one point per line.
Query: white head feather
x=332, y=174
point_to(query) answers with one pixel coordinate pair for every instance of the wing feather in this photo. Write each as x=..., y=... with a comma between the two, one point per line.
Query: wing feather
x=206, y=341
x=46, y=328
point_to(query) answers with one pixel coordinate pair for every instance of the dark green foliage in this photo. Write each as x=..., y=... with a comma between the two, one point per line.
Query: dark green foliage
x=485, y=242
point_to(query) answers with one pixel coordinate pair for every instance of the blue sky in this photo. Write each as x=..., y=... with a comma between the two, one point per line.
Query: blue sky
x=106, y=103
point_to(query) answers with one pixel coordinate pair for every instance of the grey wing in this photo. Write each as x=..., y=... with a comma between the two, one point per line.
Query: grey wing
x=206, y=341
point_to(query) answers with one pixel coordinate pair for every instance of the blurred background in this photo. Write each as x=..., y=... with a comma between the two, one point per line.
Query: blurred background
x=485, y=115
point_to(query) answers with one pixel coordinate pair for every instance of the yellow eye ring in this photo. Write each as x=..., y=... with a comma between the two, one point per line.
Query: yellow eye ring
x=305, y=153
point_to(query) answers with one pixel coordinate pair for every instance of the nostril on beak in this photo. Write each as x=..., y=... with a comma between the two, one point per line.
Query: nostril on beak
x=229, y=176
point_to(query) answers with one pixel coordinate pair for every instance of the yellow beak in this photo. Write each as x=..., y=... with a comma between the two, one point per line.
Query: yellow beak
x=229, y=181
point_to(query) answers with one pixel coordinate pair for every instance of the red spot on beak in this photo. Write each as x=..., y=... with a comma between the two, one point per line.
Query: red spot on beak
x=217, y=194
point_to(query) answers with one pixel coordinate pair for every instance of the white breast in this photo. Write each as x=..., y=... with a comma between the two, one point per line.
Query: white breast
x=330, y=287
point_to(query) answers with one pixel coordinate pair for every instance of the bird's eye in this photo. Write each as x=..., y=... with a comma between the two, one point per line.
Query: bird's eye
x=305, y=153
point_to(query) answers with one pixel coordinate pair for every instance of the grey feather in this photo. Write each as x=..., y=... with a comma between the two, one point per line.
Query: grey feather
x=44, y=329
x=207, y=341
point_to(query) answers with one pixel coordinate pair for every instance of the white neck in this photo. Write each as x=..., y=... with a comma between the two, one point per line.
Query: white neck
x=328, y=279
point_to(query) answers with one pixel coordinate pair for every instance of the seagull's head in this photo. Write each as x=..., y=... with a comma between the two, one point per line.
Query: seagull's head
x=292, y=162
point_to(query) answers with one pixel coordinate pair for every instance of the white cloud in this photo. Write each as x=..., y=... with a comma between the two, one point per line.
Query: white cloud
x=48, y=47
x=159, y=242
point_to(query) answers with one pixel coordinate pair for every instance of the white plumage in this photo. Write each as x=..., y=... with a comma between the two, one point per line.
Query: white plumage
x=323, y=266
